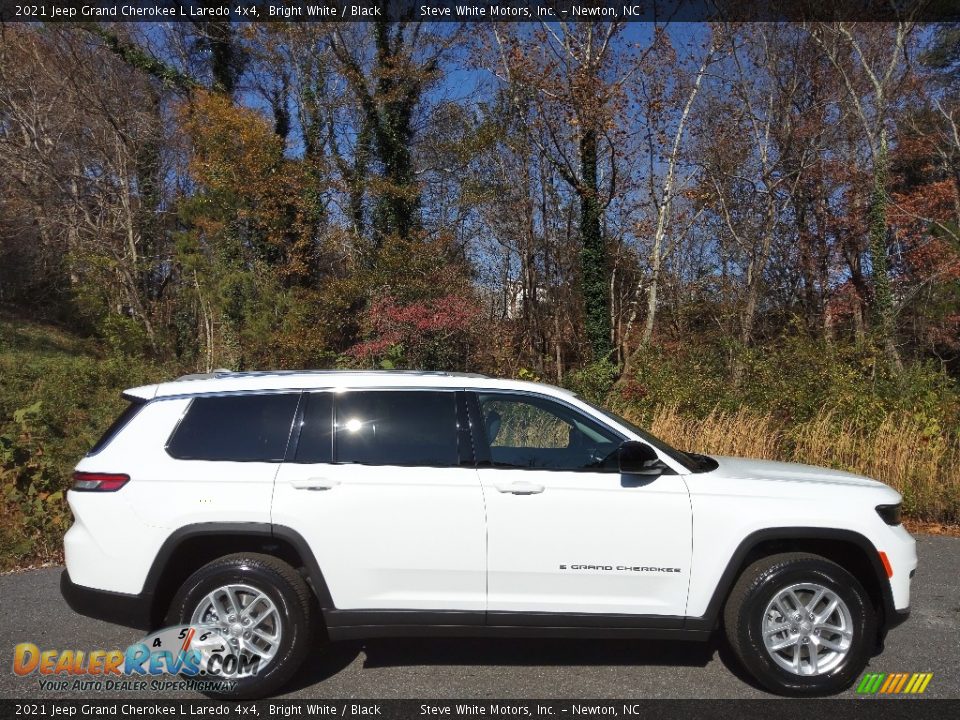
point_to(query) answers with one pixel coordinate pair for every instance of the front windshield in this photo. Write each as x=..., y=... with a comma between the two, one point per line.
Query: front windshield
x=690, y=462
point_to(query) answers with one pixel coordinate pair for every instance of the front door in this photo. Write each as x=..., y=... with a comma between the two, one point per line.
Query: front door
x=567, y=533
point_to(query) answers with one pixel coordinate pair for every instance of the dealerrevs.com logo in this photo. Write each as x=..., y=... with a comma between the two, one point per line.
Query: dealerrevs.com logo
x=200, y=655
x=894, y=683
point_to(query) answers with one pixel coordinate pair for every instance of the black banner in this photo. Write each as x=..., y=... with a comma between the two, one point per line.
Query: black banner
x=864, y=709
x=475, y=10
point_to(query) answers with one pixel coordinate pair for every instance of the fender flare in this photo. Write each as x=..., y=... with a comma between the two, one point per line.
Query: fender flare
x=731, y=572
x=260, y=531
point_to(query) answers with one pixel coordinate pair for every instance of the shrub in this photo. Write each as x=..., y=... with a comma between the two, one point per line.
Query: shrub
x=593, y=382
x=438, y=334
x=56, y=396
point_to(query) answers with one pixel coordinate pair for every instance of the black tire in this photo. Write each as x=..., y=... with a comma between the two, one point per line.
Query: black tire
x=289, y=593
x=757, y=586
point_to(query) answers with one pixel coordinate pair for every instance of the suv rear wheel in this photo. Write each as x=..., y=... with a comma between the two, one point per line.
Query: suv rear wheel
x=800, y=624
x=261, y=606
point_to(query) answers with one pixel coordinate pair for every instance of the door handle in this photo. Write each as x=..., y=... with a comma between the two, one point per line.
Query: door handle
x=520, y=487
x=314, y=483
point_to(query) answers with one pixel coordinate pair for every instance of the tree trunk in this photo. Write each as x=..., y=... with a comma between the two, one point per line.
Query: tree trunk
x=655, y=263
x=593, y=256
x=882, y=292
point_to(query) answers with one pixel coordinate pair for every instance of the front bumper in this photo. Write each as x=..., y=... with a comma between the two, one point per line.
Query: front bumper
x=118, y=608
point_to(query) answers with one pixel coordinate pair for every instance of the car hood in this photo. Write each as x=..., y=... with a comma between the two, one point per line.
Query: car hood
x=743, y=468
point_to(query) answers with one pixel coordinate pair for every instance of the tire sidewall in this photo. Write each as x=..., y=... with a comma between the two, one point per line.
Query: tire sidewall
x=758, y=659
x=293, y=621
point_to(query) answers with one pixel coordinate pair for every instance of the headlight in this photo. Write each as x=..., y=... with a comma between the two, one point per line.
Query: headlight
x=889, y=513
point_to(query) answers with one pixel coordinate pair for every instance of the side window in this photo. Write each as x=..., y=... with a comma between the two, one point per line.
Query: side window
x=533, y=432
x=316, y=431
x=240, y=428
x=397, y=428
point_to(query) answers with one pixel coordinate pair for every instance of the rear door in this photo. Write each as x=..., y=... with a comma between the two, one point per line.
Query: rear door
x=383, y=488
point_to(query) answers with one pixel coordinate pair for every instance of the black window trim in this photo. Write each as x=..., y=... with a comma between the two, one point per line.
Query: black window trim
x=466, y=447
x=126, y=416
x=482, y=446
x=293, y=445
x=234, y=393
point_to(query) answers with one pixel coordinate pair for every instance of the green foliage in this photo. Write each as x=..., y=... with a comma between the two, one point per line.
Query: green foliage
x=594, y=381
x=124, y=335
x=793, y=380
x=57, y=395
x=140, y=59
x=30, y=488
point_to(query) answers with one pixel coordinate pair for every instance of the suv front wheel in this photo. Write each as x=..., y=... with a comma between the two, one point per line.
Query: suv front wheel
x=800, y=624
x=261, y=607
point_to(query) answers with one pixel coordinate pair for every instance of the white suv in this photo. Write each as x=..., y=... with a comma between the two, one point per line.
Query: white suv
x=371, y=504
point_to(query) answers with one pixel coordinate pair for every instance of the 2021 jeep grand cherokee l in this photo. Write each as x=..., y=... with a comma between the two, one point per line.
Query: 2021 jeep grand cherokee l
x=286, y=507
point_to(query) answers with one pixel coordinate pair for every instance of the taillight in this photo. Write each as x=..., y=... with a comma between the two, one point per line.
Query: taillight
x=99, y=482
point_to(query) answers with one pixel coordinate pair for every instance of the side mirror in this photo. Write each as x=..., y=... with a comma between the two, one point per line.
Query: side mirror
x=637, y=458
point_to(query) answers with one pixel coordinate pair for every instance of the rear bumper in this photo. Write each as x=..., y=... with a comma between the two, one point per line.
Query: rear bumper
x=118, y=608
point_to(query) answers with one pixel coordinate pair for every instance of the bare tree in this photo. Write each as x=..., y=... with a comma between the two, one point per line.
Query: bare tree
x=871, y=61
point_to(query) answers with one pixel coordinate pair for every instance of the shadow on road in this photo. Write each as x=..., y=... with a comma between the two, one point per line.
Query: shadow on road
x=402, y=652
x=515, y=652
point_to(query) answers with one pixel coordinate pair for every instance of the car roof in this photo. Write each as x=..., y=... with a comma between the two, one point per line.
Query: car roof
x=225, y=381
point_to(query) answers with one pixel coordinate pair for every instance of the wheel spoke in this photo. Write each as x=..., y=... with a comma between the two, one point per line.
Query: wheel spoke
x=812, y=652
x=773, y=630
x=780, y=645
x=778, y=603
x=270, y=640
x=259, y=619
x=796, y=657
x=834, y=630
x=817, y=596
x=831, y=606
x=251, y=606
x=218, y=607
x=235, y=607
x=831, y=645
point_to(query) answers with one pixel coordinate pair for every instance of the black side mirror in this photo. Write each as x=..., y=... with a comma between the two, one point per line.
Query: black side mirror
x=637, y=458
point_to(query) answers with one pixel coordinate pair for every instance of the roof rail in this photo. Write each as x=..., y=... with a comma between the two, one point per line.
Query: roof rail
x=220, y=373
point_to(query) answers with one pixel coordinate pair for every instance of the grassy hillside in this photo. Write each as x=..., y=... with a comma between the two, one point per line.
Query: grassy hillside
x=924, y=467
x=58, y=392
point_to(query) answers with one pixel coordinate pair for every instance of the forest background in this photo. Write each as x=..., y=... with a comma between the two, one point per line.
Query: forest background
x=743, y=236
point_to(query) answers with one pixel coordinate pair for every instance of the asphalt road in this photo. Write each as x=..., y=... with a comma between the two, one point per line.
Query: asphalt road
x=31, y=610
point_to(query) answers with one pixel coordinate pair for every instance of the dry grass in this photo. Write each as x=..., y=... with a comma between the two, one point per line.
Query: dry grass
x=923, y=464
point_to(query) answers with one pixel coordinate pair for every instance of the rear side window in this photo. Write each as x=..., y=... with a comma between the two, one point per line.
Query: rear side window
x=241, y=428
x=397, y=428
x=117, y=425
